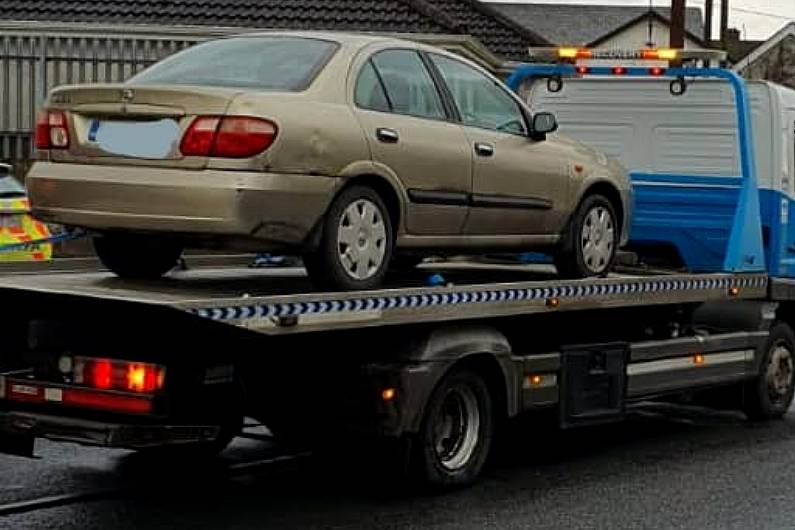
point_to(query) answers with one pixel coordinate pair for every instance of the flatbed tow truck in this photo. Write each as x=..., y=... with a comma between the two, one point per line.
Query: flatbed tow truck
x=426, y=376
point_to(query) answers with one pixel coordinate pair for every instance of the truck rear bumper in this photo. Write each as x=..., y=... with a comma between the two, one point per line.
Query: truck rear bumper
x=105, y=434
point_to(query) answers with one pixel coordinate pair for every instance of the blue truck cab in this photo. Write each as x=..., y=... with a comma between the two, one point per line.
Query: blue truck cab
x=711, y=155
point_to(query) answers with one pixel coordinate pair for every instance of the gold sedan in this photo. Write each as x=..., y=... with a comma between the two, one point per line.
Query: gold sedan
x=348, y=150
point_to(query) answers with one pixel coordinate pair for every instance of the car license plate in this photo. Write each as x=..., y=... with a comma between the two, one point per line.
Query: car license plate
x=137, y=139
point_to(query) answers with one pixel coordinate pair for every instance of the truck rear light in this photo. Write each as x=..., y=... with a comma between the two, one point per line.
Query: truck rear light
x=228, y=137
x=52, y=129
x=38, y=393
x=107, y=374
x=107, y=401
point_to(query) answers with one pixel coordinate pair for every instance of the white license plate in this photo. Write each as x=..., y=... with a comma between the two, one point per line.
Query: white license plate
x=137, y=139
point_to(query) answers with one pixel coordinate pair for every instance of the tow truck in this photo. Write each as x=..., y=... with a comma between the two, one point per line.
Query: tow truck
x=423, y=376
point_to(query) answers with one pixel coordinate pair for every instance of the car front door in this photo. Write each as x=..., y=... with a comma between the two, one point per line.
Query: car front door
x=411, y=132
x=517, y=182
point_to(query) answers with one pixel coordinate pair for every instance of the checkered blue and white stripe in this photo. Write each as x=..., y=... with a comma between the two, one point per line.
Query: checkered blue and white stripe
x=570, y=292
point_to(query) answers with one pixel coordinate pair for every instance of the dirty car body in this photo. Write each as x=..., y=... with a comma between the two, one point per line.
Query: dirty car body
x=246, y=143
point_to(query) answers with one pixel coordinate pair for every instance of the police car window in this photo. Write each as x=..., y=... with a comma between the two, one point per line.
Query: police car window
x=480, y=101
x=408, y=84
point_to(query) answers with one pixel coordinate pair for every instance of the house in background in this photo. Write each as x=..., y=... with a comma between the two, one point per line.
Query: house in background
x=771, y=60
x=46, y=43
x=603, y=26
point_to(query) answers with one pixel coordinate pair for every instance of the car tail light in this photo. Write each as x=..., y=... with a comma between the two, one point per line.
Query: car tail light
x=228, y=137
x=52, y=129
x=107, y=374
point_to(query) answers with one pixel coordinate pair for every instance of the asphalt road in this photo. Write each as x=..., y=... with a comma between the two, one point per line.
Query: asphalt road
x=671, y=468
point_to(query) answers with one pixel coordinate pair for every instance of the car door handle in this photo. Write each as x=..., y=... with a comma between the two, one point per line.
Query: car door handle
x=484, y=149
x=388, y=136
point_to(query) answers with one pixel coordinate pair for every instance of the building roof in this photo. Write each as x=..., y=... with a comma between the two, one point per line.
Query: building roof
x=579, y=24
x=458, y=17
x=747, y=53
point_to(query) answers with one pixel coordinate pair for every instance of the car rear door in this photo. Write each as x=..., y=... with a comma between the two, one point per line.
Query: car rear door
x=411, y=134
x=517, y=182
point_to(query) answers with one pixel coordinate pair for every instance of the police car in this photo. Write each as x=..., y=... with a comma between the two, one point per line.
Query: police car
x=17, y=225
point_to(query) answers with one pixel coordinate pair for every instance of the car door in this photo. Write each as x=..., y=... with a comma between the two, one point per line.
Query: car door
x=517, y=182
x=410, y=131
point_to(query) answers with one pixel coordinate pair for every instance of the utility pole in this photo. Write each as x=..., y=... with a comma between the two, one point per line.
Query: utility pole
x=724, y=22
x=708, y=8
x=678, y=24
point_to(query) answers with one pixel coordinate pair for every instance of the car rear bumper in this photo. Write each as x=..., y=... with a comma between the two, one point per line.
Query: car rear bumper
x=105, y=434
x=279, y=208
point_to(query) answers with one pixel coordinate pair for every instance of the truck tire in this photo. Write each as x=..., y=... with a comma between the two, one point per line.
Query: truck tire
x=769, y=395
x=455, y=436
x=137, y=257
x=356, y=243
x=590, y=240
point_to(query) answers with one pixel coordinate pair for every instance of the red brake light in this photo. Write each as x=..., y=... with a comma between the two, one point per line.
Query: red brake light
x=106, y=374
x=228, y=137
x=619, y=70
x=583, y=70
x=52, y=129
x=102, y=374
x=657, y=71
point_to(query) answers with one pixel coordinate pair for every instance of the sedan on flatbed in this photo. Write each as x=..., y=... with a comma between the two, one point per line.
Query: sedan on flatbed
x=349, y=150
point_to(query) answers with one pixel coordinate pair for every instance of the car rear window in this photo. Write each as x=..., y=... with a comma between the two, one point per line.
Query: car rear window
x=9, y=187
x=265, y=63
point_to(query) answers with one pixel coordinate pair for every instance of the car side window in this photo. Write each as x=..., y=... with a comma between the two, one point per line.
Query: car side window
x=409, y=86
x=369, y=93
x=480, y=101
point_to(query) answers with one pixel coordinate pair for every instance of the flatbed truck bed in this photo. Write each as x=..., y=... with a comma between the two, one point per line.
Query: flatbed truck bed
x=394, y=367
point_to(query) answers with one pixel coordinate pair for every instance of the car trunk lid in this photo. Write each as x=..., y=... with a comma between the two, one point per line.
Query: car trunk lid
x=134, y=125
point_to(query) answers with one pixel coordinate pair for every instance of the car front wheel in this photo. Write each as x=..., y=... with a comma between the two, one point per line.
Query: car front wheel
x=590, y=241
x=356, y=243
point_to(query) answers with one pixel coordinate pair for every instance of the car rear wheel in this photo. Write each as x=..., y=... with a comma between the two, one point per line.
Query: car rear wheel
x=455, y=437
x=590, y=241
x=137, y=257
x=770, y=394
x=356, y=243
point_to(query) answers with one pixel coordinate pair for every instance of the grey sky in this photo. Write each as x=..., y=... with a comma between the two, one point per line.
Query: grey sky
x=754, y=25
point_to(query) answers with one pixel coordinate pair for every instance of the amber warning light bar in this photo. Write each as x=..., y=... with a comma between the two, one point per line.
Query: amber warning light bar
x=574, y=54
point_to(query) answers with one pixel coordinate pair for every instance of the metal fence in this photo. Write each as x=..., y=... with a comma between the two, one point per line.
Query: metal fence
x=33, y=61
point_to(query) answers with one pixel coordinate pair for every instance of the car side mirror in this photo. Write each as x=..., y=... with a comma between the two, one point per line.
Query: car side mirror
x=543, y=124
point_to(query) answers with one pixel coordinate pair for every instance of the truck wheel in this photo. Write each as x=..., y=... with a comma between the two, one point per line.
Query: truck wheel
x=590, y=240
x=455, y=436
x=769, y=395
x=137, y=257
x=356, y=242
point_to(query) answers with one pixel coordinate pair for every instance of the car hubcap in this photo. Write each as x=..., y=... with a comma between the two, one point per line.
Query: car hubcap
x=780, y=372
x=456, y=427
x=361, y=239
x=597, y=239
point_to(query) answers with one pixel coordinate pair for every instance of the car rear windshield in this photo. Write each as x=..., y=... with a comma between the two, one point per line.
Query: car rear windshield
x=10, y=187
x=264, y=63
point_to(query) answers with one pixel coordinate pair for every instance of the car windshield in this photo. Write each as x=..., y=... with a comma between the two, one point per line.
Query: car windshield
x=263, y=63
x=9, y=187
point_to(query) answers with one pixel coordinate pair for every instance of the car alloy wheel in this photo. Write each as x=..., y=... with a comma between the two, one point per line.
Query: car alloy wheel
x=597, y=239
x=361, y=239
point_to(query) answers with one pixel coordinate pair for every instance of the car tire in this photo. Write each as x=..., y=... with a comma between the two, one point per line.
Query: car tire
x=769, y=395
x=137, y=257
x=356, y=243
x=594, y=223
x=455, y=436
